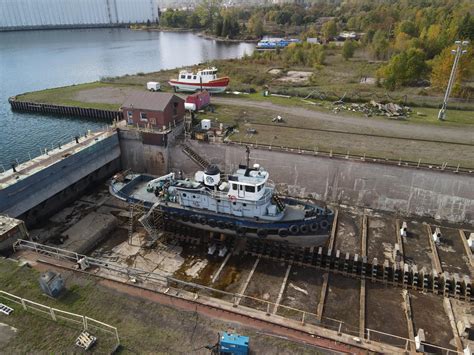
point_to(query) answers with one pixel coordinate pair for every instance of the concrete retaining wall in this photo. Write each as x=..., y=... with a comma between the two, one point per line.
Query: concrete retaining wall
x=431, y=193
x=145, y=158
x=47, y=190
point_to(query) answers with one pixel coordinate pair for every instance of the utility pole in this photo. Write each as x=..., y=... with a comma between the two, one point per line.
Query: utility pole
x=457, y=52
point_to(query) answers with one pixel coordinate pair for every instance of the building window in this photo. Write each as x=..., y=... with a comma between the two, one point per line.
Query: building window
x=175, y=108
x=130, y=117
x=143, y=116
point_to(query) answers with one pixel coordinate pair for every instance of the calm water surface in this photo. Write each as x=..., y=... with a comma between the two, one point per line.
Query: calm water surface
x=45, y=59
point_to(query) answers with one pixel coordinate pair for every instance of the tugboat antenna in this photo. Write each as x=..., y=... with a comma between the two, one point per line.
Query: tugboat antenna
x=247, y=150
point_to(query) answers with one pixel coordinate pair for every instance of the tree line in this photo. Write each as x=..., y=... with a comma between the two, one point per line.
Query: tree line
x=412, y=39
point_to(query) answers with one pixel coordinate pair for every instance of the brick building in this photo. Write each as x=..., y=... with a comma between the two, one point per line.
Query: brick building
x=153, y=109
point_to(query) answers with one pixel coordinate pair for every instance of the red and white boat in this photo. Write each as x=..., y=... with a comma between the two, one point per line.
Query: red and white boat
x=205, y=79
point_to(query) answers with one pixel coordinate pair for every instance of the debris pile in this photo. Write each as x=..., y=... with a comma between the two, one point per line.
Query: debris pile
x=374, y=108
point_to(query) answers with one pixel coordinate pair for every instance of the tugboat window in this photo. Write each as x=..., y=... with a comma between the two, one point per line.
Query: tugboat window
x=244, y=204
x=194, y=77
x=259, y=187
x=234, y=186
x=194, y=196
x=234, y=203
x=184, y=195
x=189, y=76
x=183, y=76
x=250, y=188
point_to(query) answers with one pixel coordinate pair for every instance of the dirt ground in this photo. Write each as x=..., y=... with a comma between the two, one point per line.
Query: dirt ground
x=294, y=76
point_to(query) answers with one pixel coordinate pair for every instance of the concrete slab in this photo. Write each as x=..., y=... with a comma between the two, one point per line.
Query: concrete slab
x=416, y=246
x=234, y=274
x=381, y=238
x=348, y=232
x=265, y=284
x=385, y=302
x=429, y=314
x=451, y=252
x=302, y=292
x=88, y=232
x=342, y=303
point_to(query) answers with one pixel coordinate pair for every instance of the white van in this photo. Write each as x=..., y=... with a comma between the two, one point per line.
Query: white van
x=153, y=86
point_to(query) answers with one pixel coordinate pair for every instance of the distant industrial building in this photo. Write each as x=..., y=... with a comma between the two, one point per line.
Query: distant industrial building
x=43, y=14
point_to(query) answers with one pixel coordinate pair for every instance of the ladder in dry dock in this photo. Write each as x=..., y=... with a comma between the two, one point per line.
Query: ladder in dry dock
x=203, y=163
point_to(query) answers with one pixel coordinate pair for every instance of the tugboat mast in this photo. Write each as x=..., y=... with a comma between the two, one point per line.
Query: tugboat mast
x=247, y=150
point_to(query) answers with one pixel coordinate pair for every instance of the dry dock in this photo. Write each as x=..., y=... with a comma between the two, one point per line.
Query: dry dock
x=317, y=299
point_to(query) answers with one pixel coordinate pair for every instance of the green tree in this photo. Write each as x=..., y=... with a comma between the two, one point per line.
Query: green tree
x=466, y=27
x=208, y=12
x=404, y=69
x=348, y=49
x=329, y=30
x=255, y=25
x=408, y=27
x=380, y=45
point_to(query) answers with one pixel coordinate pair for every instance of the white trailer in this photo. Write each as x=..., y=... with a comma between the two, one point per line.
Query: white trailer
x=153, y=86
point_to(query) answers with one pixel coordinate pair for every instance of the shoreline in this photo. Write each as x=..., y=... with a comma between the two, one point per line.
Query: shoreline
x=197, y=32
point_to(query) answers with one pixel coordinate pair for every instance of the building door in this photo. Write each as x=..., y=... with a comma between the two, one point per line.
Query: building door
x=241, y=191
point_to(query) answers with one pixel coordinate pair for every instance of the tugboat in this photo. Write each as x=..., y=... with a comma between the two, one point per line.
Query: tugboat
x=205, y=79
x=245, y=204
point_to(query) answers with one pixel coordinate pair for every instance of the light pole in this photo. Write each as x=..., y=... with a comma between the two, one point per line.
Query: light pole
x=457, y=52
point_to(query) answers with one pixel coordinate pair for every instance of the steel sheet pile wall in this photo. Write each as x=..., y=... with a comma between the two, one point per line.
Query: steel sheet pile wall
x=26, y=14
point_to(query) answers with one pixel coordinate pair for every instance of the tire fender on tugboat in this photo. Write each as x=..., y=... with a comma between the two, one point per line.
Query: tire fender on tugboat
x=294, y=229
x=262, y=233
x=314, y=227
x=304, y=229
x=283, y=232
x=324, y=224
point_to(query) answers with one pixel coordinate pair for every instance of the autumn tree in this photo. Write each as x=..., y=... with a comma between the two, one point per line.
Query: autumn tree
x=441, y=70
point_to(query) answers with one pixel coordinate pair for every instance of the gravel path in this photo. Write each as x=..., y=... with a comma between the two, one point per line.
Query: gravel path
x=359, y=124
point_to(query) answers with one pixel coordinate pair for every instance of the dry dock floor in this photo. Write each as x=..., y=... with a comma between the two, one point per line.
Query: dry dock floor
x=295, y=288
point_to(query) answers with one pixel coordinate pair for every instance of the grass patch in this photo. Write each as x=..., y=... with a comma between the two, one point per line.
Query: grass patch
x=144, y=326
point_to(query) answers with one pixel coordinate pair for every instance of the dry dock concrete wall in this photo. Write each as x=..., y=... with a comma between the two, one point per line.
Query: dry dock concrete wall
x=44, y=192
x=410, y=191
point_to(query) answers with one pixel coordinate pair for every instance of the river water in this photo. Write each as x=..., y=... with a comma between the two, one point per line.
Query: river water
x=35, y=60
